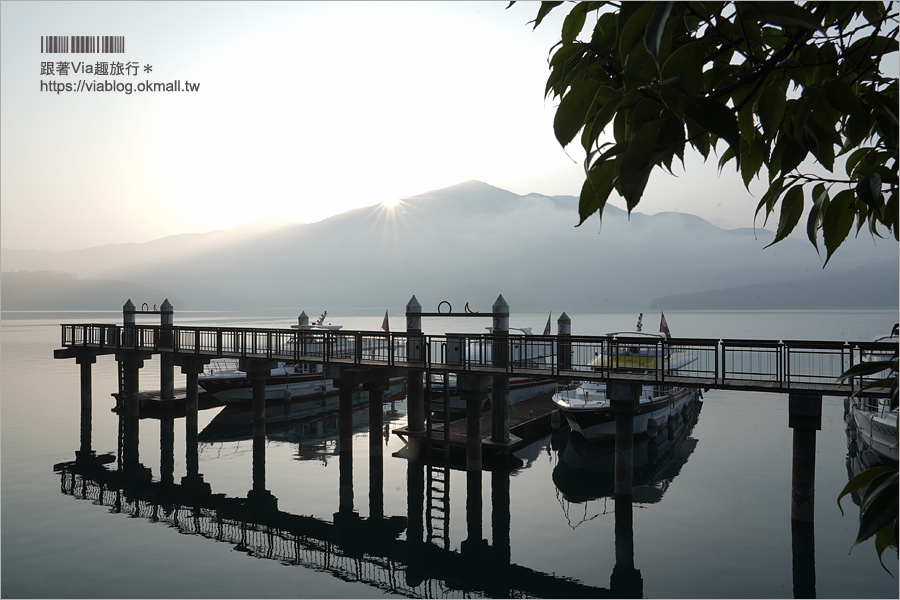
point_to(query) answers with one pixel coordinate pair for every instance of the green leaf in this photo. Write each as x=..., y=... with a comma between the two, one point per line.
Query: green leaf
x=599, y=122
x=862, y=480
x=788, y=153
x=769, y=198
x=574, y=22
x=543, y=11
x=573, y=110
x=866, y=368
x=837, y=220
x=771, y=105
x=815, y=217
x=655, y=28
x=791, y=211
x=869, y=191
x=785, y=14
x=718, y=119
x=879, y=505
x=634, y=27
x=686, y=62
x=596, y=189
x=883, y=540
x=637, y=162
x=752, y=160
x=840, y=95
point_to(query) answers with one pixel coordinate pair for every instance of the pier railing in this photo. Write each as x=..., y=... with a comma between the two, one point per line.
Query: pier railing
x=761, y=365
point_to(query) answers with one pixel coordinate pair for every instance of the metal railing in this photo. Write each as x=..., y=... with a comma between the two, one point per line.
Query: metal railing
x=762, y=365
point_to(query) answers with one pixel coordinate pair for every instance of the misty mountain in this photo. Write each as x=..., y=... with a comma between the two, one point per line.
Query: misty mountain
x=872, y=286
x=469, y=243
x=49, y=290
x=97, y=260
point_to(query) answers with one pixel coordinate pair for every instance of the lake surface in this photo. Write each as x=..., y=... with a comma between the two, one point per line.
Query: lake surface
x=711, y=518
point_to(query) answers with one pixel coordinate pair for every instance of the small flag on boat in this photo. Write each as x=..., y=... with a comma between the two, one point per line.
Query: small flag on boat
x=384, y=324
x=547, y=327
x=663, y=326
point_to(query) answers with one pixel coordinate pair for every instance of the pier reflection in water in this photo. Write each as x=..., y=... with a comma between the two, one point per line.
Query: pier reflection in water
x=410, y=554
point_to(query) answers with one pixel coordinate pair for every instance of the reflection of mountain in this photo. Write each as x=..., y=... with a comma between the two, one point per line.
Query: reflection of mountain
x=586, y=472
x=472, y=239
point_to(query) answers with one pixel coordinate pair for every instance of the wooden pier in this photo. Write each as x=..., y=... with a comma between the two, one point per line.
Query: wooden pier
x=481, y=364
x=528, y=420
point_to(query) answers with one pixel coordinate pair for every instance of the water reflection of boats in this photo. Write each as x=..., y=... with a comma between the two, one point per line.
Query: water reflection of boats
x=235, y=422
x=859, y=458
x=587, y=408
x=586, y=472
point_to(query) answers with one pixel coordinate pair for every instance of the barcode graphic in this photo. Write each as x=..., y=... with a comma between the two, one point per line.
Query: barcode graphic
x=82, y=44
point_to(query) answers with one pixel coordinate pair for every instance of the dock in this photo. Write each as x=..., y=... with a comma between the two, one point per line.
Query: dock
x=528, y=420
x=153, y=405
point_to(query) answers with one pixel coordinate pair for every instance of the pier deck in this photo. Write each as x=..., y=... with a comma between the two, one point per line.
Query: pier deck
x=528, y=420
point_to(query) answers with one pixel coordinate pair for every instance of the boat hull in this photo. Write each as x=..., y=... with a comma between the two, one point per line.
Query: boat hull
x=599, y=422
x=238, y=388
x=876, y=429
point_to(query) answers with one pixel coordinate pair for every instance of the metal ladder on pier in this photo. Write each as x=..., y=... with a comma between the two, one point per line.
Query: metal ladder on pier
x=121, y=397
x=438, y=506
x=437, y=413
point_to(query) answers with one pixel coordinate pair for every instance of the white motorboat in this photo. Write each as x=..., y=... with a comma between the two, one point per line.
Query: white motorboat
x=874, y=422
x=587, y=408
x=224, y=379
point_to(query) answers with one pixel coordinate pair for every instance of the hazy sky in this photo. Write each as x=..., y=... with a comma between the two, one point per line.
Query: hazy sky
x=304, y=110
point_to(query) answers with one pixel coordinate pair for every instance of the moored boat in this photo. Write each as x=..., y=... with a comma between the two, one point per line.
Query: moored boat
x=224, y=379
x=874, y=422
x=587, y=408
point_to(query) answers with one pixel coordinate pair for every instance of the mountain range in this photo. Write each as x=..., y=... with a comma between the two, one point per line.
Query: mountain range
x=466, y=243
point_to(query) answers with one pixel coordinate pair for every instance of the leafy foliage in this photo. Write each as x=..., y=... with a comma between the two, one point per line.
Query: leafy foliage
x=878, y=508
x=776, y=82
x=878, y=486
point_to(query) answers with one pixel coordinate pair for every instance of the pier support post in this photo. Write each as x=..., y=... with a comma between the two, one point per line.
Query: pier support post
x=166, y=359
x=564, y=342
x=805, y=418
x=624, y=398
x=500, y=516
x=376, y=389
x=625, y=581
x=415, y=511
x=500, y=358
x=472, y=390
x=130, y=364
x=258, y=371
x=192, y=366
x=167, y=450
x=415, y=353
x=347, y=382
x=86, y=359
x=129, y=445
x=474, y=547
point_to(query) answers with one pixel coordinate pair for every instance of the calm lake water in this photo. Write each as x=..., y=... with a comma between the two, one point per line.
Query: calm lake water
x=710, y=520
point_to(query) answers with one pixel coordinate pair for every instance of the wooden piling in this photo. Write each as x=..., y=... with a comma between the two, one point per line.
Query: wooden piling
x=805, y=418
x=500, y=385
x=624, y=398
